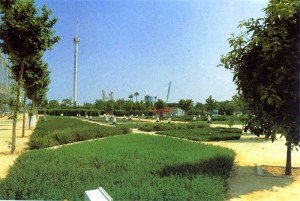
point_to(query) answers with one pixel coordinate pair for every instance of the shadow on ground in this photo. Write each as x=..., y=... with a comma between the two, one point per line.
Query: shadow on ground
x=244, y=181
x=217, y=166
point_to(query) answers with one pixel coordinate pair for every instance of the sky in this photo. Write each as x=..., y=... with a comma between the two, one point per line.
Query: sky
x=132, y=46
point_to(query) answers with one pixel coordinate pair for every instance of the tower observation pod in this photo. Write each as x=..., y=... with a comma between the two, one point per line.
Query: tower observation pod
x=76, y=42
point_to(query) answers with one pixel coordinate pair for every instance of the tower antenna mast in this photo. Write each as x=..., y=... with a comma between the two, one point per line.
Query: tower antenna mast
x=76, y=42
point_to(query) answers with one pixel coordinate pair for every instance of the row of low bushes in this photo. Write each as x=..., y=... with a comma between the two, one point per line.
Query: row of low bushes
x=93, y=112
x=174, y=126
x=63, y=130
x=204, y=118
x=128, y=167
x=206, y=134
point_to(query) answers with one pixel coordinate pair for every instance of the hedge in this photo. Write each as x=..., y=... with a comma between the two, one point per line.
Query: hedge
x=128, y=167
x=205, y=134
x=174, y=126
x=63, y=130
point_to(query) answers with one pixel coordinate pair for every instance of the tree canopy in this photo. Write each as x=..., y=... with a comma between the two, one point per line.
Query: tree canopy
x=210, y=104
x=25, y=33
x=265, y=61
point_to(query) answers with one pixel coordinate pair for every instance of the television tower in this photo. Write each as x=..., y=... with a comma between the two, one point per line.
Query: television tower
x=76, y=41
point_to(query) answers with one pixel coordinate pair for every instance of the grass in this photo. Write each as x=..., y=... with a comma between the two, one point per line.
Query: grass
x=64, y=130
x=128, y=167
x=205, y=134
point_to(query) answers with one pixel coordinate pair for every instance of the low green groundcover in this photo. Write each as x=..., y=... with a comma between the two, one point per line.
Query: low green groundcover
x=64, y=130
x=205, y=134
x=128, y=167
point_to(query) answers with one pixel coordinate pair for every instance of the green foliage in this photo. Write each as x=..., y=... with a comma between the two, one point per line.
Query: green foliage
x=23, y=32
x=53, y=104
x=160, y=104
x=131, y=167
x=64, y=130
x=185, y=105
x=175, y=126
x=265, y=60
x=205, y=134
x=74, y=112
x=210, y=104
x=230, y=122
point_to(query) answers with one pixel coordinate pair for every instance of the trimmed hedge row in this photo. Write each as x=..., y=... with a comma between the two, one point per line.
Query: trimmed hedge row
x=128, y=167
x=204, y=118
x=174, y=126
x=206, y=134
x=93, y=112
x=64, y=130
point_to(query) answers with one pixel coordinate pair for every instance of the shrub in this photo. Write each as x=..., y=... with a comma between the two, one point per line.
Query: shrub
x=63, y=130
x=129, y=167
x=174, y=126
x=205, y=134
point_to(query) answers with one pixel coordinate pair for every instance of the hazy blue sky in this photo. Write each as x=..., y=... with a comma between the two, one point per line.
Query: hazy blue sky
x=129, y=46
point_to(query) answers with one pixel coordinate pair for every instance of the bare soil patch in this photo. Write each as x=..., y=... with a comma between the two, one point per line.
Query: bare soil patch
x=277, y=170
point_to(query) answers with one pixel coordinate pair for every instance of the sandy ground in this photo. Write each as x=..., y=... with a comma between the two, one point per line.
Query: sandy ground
x=6, y=159
x=244, y=184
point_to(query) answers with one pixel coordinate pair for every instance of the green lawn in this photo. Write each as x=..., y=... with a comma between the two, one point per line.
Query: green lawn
x=128, y=167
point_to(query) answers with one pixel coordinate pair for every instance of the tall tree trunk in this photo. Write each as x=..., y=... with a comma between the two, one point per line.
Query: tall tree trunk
x=288, y=166
x=16, y=111
x=24, y=112
x=36, y=111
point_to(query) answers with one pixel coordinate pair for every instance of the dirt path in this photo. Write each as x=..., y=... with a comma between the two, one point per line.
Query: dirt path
x=6, y=159
x=244, y=184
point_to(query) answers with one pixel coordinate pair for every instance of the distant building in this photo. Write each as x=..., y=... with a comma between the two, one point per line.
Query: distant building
x=215, y=113
x=149, y=99
x=176, y=111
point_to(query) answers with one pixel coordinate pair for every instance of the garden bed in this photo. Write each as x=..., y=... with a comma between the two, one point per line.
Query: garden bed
x=64, y=130
x=128, y=167
x=205, y=134
x=279, y=170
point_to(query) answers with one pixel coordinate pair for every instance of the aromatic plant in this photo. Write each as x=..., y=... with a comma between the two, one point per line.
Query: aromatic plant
x=128, y=167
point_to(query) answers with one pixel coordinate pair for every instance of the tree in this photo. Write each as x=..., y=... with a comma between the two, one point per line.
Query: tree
x=35, y=83
x=265, y=61
x=241, y=105
x=67, y=102
x=53, y=104
x=24, y=34
x=119, y=104
x=136, y=94
x=210, y=104
x=110, y=106
x=160, y=105
x=128, y=105
x=227, y=107
x=185, y=105
x=130, y=97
